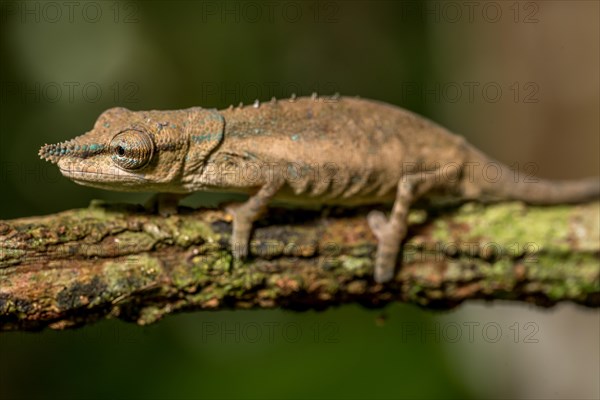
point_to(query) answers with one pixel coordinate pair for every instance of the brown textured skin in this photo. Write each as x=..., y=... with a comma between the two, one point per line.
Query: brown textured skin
x=328, y=150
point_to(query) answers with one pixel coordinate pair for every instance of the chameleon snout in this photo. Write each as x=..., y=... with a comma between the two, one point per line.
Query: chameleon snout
x=71, y=148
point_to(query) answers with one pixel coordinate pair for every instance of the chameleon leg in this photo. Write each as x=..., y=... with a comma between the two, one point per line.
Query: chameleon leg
x=165, y=203
x=390, y=233
x=245, y=214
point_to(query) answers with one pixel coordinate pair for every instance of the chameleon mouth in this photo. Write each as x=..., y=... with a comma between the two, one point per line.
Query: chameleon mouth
x=95, y=175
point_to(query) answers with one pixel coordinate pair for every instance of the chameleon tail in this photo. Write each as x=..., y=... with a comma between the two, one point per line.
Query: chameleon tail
x=498, y=181
x=552, y=192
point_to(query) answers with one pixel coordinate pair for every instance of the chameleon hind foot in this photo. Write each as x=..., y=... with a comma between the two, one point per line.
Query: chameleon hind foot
x=388, y=237
x=391, y=232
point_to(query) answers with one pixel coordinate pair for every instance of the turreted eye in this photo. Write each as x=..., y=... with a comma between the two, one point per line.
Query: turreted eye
x=131, y=149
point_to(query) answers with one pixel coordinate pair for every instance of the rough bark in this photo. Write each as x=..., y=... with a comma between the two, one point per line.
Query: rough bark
x=116, y=261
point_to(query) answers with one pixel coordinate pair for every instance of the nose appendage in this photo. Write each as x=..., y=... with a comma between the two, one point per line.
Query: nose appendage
x=54, y=152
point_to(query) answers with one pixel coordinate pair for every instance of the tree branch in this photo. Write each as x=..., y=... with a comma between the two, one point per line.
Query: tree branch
x=110, y=261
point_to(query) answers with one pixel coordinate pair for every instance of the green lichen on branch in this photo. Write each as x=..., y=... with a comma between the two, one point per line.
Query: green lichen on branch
x=118, y=261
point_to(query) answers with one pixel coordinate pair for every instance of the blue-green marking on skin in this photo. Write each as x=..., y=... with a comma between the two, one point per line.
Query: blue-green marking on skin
x=295, y=137
x=292, y=172
x=207, y=137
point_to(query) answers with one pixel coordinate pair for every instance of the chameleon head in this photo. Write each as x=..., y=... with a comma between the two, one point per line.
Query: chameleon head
x=137, y=150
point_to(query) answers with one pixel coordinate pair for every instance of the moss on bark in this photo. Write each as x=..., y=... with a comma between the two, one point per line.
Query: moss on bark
x=116, y=261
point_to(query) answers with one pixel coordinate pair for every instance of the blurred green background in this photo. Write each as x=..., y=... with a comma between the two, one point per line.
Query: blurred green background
x=518, y=79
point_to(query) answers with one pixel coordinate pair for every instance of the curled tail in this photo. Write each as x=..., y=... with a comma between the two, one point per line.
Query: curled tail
x=495, y=180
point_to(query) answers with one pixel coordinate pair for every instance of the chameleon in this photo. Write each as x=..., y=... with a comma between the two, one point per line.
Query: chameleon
x=305, y=151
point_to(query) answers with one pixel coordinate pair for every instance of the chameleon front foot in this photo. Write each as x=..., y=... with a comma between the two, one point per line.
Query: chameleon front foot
x=240, y=235
x=389, y=238
x=164, y=204
x=245, y=214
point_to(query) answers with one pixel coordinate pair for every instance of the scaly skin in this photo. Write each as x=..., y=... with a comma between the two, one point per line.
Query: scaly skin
x=307, y=151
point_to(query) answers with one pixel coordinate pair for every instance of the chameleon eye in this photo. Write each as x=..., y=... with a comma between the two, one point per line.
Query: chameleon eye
x=131, y=149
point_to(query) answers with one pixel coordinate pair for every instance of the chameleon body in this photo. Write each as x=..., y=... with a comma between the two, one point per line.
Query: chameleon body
x=337, y=151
